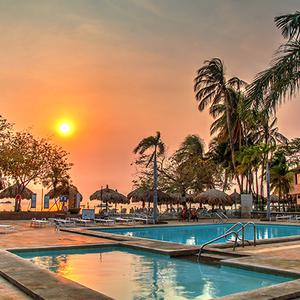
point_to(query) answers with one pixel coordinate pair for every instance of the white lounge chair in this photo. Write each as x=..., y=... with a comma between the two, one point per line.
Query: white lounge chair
x=124, y=220
x=63, y=223
x=105, y=221
x=7, y=228
x=82, y=221
x=39, y=223
x=284, y=218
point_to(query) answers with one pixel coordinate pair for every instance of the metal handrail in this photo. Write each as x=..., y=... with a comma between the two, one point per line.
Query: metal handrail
x=215, y=214
x=243, y=233
x=221, y=217
x=233, y=226
x=218, y=238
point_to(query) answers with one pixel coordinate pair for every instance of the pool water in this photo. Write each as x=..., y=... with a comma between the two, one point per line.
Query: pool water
x=199, y=234
x=125, y=273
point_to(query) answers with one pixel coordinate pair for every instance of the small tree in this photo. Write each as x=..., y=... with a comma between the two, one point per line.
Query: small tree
x=57, y=167
x=25, y=159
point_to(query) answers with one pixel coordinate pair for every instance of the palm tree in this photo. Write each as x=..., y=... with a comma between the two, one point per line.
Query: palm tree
x=219, y=153
x=191, y=147
x=155, y=144
x=212, y=87
x=282, y=78
x=266, y=133
x=280, y=176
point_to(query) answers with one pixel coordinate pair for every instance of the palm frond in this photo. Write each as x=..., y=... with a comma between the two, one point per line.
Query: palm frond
x=144, y=145
x=289, y=25
x=270, y=87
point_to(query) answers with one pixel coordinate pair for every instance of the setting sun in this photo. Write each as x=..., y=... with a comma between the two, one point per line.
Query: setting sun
x=65, y=128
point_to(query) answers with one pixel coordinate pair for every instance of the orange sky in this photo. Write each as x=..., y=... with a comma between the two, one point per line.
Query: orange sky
x=122, y=70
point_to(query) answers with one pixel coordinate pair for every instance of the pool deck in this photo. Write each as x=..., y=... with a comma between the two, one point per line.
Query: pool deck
x=20, y=279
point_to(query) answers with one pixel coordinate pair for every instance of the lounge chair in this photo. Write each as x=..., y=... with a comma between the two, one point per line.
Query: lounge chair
x=142, y=218
x=39, y=223
x=7, y=228
x=82, y=221
x=105, y=221
x=295, y=218
x=284, y=218
x=63, y=223
x=124, y=220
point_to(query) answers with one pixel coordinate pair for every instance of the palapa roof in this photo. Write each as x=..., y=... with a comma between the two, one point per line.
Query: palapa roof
x=178, y=199
x=146, y=195
x=214, y=197
x=235, y=197
x=2, y=184
x=63, y=190
x=12, y=191
x=274, y=198
x=197, y=198
x=109, y=195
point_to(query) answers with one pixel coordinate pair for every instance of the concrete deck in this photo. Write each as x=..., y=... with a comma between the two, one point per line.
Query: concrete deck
x=10, y=292
x=287, y=250
x=28, y=237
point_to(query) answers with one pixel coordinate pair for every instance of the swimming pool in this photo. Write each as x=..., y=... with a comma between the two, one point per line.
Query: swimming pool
x=199, y=234
x=125, y=273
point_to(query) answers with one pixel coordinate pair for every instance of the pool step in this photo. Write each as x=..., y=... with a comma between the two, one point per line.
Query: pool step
x=210, y=256
x=223, y=253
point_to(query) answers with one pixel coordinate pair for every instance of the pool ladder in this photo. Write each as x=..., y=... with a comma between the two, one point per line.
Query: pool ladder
x=242, y=229
x=222, y=218
x=230, y=232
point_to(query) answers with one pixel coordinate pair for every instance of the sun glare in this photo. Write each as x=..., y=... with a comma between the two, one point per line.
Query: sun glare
x=65, y=128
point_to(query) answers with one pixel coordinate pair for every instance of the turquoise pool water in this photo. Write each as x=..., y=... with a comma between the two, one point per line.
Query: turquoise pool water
x=199, y=234
x=125, y=273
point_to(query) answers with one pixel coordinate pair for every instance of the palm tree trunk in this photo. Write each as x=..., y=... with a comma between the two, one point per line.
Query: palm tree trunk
x=231, y=144
x=257, y=187
x=262, y=176
x=155, y=209
x=242, y=182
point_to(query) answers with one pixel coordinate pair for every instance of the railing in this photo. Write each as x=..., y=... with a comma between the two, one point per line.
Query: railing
x=242, y=229
x=233, y=226
x=243, y=233
x=230, y=232
x=218, y=238
x=221, y=217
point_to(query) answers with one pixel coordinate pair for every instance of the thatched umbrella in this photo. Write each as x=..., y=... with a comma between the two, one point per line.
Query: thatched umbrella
x=178, y=198
x=214, y=197
x=68, y=190
x=2, y=183
x=17, y=192
x=236, y=198
x=197, y=198
x=63, y=190
x=13, y=191
x=143, y=194
x=108, y=195
x=274, y=198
